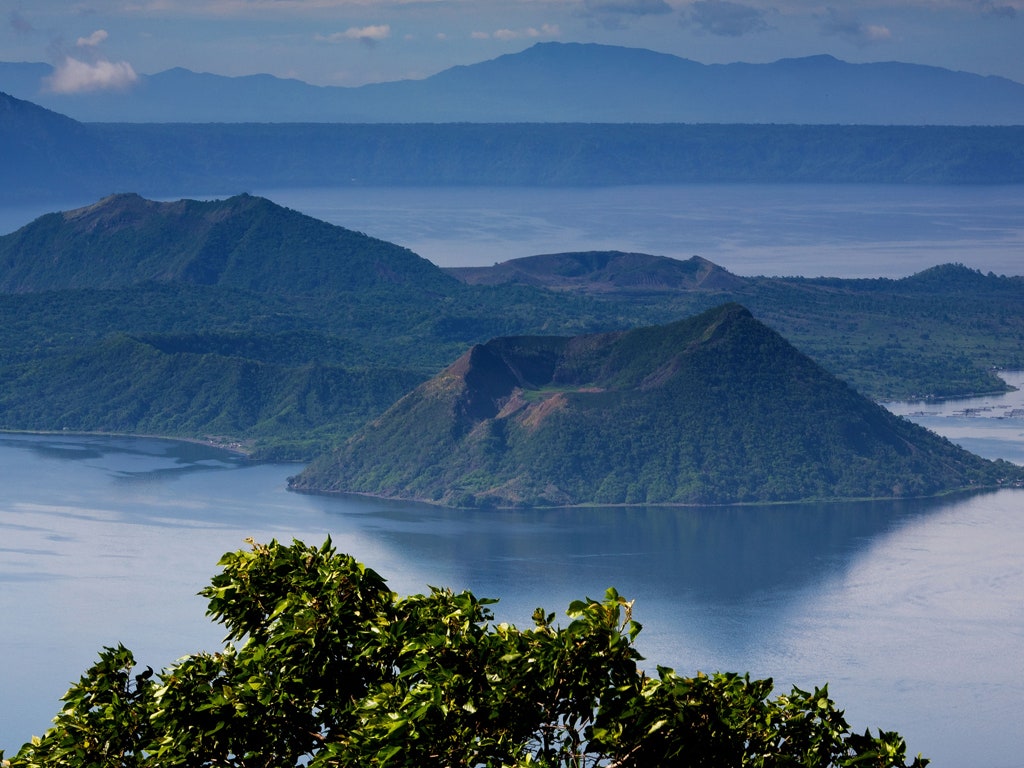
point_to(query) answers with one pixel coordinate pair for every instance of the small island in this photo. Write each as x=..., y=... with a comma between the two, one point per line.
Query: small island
x=714, y=409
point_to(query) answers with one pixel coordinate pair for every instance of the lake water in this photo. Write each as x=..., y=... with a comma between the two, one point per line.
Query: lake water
x=913, y=612
x=846, y=230
x=990, y=426
x=750, y=229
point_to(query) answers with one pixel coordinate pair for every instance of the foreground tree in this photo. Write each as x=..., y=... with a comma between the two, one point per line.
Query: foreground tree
x=325, y=666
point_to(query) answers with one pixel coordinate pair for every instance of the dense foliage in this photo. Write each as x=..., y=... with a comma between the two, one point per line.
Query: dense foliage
x=325, y=666
x=234, y=318
x=240, y=243
x=714, y=409
x=242, y=319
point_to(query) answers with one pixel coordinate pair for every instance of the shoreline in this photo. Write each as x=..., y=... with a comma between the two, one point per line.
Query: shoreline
x=966, y=490
x=242, y=448
x=934, y=399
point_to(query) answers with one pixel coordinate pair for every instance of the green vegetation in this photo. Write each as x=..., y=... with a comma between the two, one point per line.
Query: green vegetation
x=232, y=318
x=242, y=319
x=240, y=243
x=716, y=409
x=325, y=666
x=939, y=333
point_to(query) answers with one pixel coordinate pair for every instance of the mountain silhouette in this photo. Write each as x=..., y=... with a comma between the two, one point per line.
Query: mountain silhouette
x=563, y=82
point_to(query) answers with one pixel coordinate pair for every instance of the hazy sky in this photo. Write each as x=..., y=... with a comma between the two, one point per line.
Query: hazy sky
x=107, y=43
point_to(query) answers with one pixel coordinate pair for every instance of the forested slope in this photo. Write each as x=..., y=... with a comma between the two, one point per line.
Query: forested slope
x=243, y=320
x=714, y=409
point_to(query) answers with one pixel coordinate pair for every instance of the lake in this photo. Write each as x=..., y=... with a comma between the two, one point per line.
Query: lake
x=850, y=230
x=991, y=426
x=912, y=611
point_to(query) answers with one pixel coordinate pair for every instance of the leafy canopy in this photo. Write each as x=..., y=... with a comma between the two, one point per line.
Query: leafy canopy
x=324, y=666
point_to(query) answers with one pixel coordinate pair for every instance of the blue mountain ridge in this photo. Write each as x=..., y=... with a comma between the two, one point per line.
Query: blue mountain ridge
x=563, y=82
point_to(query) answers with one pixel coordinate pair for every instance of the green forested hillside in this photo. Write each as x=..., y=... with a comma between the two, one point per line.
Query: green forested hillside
x=124, y=384
x=241, y=319
x=939, y=333
x=288, y=375
x=242, y=242
x=230, y=318
x=714, y=409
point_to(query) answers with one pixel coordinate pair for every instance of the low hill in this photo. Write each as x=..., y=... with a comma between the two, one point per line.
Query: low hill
x=604, y=272
x=186, y=386
x=554, y=82
x=243, y=242
x=917, y=337
x=717, y=408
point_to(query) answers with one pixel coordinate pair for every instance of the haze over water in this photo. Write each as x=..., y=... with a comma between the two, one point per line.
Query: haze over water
x=848, y=230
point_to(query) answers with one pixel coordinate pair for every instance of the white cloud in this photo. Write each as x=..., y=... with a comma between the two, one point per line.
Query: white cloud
x=627, y=7
x=75, y=76
x=1004, y=10
x=371, y=34
x=875, y=32
x=545, y=30
x=92, y=40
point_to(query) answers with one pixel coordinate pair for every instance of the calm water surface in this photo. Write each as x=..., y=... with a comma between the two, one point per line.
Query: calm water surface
x=988, y=426
x=913, y=612
x=846, y=230
x=849, y=230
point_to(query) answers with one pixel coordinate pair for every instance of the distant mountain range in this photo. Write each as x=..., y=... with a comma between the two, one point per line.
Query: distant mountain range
x=714, y=409
x=562, y=82
x=47, y=156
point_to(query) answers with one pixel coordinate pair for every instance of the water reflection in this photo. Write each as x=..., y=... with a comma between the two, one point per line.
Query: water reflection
x=711, y=584
x=912, y=610
x=712, y=553
x=127, y=457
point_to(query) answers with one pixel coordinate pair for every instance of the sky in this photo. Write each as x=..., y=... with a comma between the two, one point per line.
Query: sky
x=101, y=44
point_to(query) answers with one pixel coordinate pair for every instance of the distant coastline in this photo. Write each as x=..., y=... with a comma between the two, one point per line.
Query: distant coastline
x=242, y=448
